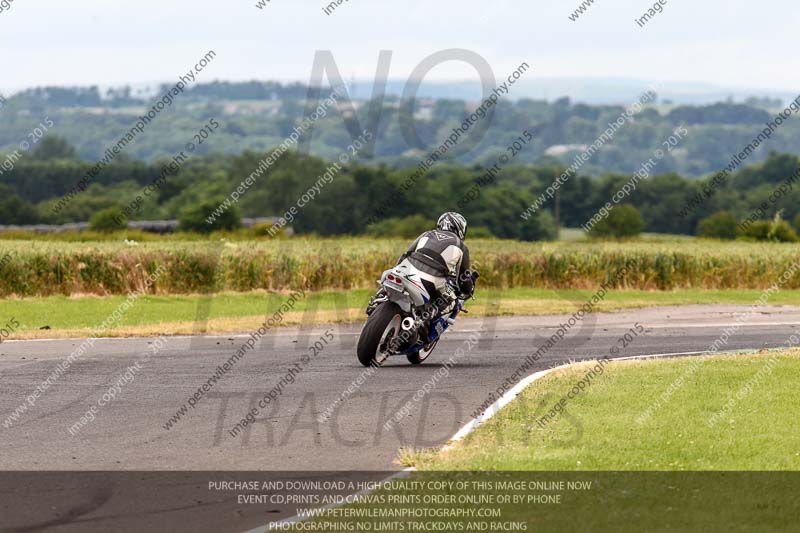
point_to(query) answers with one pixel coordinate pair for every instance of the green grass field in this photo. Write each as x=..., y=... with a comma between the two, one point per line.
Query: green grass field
x=602, y=428
x=697, y=463
x=71, y=287
x=237, y=312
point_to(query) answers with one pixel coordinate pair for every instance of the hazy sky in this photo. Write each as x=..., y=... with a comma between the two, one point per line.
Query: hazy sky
x=734, y=43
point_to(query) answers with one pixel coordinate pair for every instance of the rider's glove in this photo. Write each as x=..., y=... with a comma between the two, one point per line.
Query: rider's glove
x=450, y=289
x=466, y=283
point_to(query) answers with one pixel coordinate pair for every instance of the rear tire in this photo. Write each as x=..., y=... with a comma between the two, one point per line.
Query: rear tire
x=381, y=326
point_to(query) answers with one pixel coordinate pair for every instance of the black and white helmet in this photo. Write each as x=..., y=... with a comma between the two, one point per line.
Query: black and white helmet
x=453, y=222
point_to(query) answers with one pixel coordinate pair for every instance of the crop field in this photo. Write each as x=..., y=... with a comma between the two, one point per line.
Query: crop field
x=47, y=267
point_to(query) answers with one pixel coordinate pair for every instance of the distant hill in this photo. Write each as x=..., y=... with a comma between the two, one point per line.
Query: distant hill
x=586, y=90
x=260, y=115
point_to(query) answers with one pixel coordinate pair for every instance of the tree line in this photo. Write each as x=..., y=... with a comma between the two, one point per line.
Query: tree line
x=345, y=206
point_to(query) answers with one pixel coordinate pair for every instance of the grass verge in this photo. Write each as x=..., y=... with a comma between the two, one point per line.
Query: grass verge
x=726, y=412
x=720, y=453
x=78, y=316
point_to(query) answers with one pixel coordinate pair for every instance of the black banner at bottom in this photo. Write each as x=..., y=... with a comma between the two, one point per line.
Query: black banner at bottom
x=199, y=502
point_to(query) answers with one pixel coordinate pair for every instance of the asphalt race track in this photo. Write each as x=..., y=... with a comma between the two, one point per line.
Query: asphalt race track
x=128, y=432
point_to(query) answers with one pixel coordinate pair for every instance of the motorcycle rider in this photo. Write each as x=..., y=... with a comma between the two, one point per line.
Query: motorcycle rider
x=442, y=259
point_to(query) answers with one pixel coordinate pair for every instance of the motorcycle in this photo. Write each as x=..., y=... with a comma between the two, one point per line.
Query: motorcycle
x=402, y=319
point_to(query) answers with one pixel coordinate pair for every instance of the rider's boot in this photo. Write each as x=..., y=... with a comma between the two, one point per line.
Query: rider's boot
x=376, y=300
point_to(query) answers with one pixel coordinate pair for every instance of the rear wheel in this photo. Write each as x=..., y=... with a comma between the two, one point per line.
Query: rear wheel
x=382, y=326
x=418, y=357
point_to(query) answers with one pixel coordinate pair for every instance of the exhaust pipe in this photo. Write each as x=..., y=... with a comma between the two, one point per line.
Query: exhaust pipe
x=407, y=323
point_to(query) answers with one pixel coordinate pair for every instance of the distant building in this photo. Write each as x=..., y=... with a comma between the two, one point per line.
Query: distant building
x=561, y=149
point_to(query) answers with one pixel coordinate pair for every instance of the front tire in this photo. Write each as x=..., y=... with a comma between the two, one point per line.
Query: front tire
x=382, y=325
x=417, y=358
